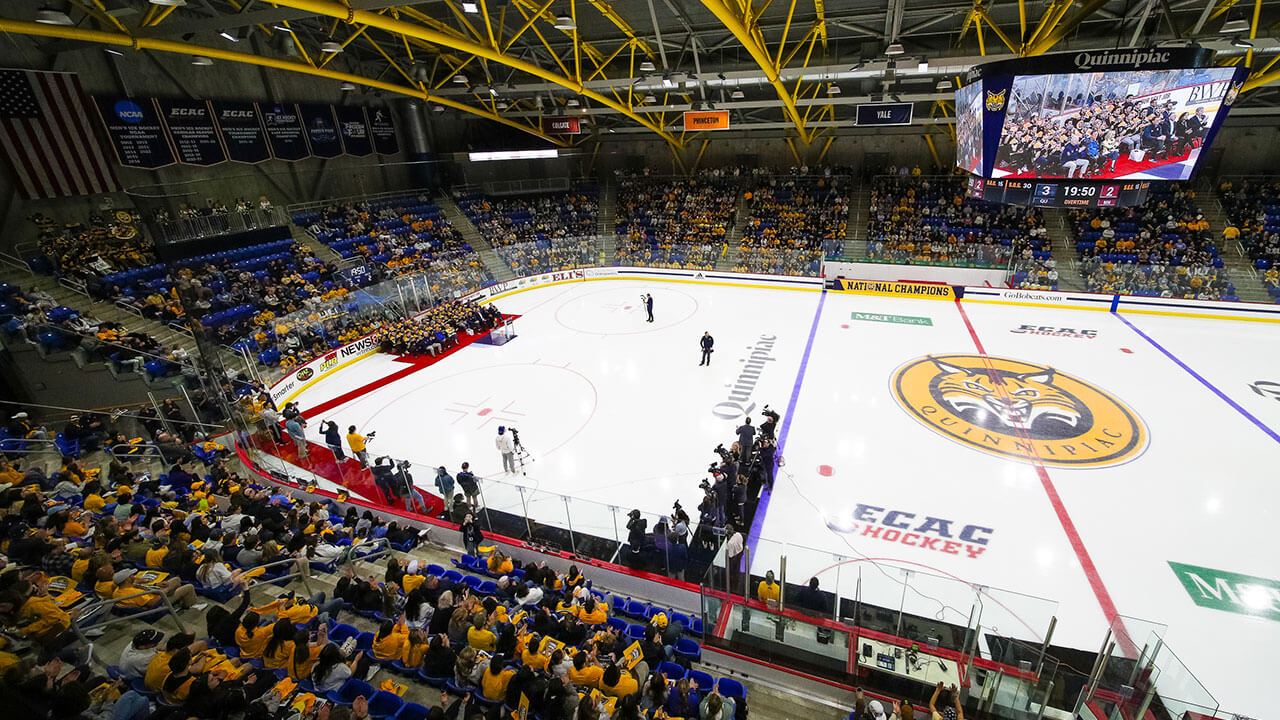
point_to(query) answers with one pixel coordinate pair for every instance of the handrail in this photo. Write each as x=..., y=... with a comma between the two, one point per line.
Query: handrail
x=95, y=605
x=10, y=259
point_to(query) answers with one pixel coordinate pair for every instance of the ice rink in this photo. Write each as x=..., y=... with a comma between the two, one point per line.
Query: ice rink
x=1064, y=462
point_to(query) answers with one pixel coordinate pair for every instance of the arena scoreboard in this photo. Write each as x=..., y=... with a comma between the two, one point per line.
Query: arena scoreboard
x=1059, y=193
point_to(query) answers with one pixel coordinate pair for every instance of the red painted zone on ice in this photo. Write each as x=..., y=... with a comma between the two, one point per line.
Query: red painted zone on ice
x=415, y=363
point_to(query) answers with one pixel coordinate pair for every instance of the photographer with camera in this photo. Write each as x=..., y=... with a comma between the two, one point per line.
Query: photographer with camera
x=768, y=428
x=765, y=460
x=357, y=444
x=383, y=472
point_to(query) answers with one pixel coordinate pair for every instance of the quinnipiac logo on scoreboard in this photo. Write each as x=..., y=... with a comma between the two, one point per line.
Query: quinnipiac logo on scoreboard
x=1020, y=410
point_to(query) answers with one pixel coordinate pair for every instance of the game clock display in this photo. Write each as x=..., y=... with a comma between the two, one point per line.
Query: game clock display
x=1064, y=194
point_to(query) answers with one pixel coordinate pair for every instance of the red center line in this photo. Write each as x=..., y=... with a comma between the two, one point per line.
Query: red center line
x=1064, y=518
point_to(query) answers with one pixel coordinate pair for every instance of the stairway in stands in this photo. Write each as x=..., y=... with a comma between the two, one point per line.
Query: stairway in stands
x=855, y=241
x=472, y=237
x=1239, y=267
x=605, y=219
x=1062, y=244
x=729, y=258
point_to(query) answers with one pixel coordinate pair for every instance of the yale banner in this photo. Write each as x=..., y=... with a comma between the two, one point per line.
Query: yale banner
x=706, y=120
x=930, y=291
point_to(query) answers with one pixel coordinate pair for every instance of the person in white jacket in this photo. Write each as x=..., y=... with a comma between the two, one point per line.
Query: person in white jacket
x=508, y=449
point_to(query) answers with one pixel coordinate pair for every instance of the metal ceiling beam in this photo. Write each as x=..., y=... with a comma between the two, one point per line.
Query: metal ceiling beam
x=391, y=25
x=267, y=16
x=19, y=27
x=740, y=26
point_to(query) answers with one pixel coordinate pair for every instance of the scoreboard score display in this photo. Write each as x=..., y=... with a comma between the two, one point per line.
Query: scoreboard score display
x=1060, y=194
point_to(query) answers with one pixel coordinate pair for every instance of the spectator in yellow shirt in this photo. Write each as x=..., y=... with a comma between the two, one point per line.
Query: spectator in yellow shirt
x=618, y=683
x=158, y=668
x=250, y=638
x=500, y=564
x=592, y=612
x=416, y=648
x=769, y=590
x=279, y=649
x=391, y=640
x=585, y=674
x=494, y=681
x=480, y=636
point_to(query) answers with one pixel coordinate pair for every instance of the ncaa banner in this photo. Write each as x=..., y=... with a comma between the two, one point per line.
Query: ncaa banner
x=928, y=291
x=137, y=136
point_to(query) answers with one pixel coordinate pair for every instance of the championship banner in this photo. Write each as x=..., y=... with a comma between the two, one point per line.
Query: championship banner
x=241, y=130
x=322, y=130
x=284, y=131
x=354, y=129
x=706, y=120
x=383, y=131
x=192, y=132
x=138, y=138
x=928, y=291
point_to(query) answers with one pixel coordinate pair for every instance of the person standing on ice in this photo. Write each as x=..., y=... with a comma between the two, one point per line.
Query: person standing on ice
x=648, y=306
x=707, y=342
x=507, y=448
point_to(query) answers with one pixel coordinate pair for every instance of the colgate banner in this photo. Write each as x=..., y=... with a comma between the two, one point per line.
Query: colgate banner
x=562, y=126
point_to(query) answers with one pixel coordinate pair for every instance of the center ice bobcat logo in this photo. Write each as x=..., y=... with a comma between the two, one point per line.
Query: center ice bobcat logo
x=1019, y=410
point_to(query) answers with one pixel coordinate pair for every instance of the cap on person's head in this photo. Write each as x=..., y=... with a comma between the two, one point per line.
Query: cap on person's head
x=501, y=429
x=123, y=575
x=147, y=638
x=877, y=710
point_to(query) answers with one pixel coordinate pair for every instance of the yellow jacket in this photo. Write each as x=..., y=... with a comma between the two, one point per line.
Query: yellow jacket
x=48, y=616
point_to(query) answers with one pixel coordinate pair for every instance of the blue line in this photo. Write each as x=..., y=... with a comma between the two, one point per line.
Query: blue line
x=1206, y=383
x=753, y=536
x=1115, y=303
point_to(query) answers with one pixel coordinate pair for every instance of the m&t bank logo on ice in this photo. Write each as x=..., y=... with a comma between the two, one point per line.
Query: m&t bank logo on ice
x=1232, y=592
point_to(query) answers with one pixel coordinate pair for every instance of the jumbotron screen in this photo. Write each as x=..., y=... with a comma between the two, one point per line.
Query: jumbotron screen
x=969, y=128
x=1149, y=124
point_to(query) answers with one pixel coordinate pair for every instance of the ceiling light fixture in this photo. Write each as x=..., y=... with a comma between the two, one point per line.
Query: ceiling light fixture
x=943, y=85
x=49, y=16
x=573, y=102
x=666, y=81
x=201, y=61
x=502, y=105
x=1231, y=27
x=1241, y=43
x=833, y=89
x=648, y=66
x=460, y=79
x=113, y=51
x=282, y=28
x=331, y=47
x=923, y=66
x=347, y=87
x=169, y=3
x=894, y=49
x=472, y=8
x=229, y=36
x=736, y=95
x=564, y=22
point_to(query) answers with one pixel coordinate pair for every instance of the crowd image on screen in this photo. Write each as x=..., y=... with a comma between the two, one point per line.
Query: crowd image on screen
x=1084, y=129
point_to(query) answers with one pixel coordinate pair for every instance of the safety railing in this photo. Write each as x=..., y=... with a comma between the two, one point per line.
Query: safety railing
x=88, y=616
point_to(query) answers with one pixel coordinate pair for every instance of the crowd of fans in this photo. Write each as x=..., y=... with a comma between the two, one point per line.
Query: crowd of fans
x=915, y=219
x=510, y=220
x=437, y=329
x=74, y=536
x=108, y=242
x=1161, y=248
x=674, y=222
x=1253, y=217
x=793, y=224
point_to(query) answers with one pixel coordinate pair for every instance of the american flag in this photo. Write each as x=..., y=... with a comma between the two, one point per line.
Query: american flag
x=47, y=137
